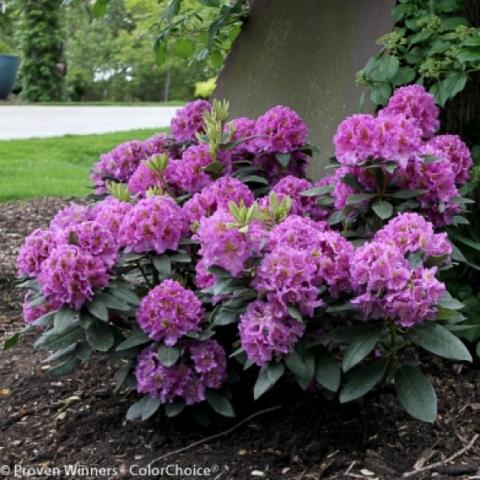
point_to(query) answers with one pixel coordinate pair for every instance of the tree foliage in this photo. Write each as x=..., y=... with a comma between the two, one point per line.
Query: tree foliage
x=41, y=38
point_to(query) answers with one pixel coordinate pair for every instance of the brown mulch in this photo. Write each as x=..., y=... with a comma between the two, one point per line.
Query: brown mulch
x=77, y=419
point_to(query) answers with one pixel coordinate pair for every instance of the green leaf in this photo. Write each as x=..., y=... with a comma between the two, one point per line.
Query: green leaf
x=123, y=292
x=383, y=209
x=336, y=217
x=359, y=197
x=150, y=407
x=10, y=342
x=220, y=403
x=121, y=375
x=403, y=76
x=469, y=54
x=385, y=69
x=404, y=194
x=361, y=344
x=295, y=364
x=450, y=303
x=168, y=356
x=175, y=408
x=380, y=93
x=52, y=340
x=64, y=319
x=112, y=302
x=294, y=312
x=438, y=340
x=416, y=258
x=160, y=53
x=327, y=371
x=316, y=191
x=98, y=309
x=184, y=47
x=225, y=316
x=138, y=338
x=269, y=375
x=100, y=336
x=283, y=159
x=100, y=8
x=415, y=393
x=64, y=368
x=162, y=264
x=136, y=409
x=363, y=379
x=455, y=83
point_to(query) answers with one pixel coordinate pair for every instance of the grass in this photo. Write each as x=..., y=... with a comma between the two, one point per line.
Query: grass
x=55, y=167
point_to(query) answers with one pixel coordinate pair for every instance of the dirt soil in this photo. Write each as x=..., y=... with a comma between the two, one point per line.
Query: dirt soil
x=47, y=422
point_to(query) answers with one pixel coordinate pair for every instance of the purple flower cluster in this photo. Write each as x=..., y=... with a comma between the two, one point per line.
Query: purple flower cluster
x=301, y=205
x=70, y=276
x=71, y=215
x=190, y=172
x=385, y=283
x=202, y=366
x=119, y=164
x=243, y=134
x=410, y=232
x=416, y=103
x=35, y=250
x=267, y=336
x=280, y=129
x=92, y=238
x=154, y=223
x=221, y=245
x=110, y=212
x=188, y=121
x=217, y=196
x=169, y=311
x=360, y=138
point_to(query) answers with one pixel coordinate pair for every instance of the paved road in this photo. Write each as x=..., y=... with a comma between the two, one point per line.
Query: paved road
x=44, y=121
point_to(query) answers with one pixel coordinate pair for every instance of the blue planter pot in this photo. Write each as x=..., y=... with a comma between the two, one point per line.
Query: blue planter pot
x=8, y=74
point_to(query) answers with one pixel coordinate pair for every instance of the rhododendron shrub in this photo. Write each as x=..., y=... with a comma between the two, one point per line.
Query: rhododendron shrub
x=212, y=254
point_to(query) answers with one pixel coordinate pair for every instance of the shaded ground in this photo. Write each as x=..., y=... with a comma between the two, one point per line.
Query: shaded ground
x=49, y=422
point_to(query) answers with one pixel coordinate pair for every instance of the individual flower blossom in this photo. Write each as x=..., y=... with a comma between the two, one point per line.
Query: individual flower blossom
x=438, y=182
x=287, y=276
x=167, y=383
x=154, y=223
x=203, y=278
x=414, y=102
x=209, y=362
x=301, y=205
x=388, y=287
x=221, y=245
x=110, y=212
x=93, y=238
x=70, y=215
x=296, y=232
x=217, y=196
x=454, y=151
x=274, y=171
x=243, y=131
x=119, y=164
x=169, y=311
x=188, y=121
x=410, y=232
x=157, y=143
x=32, y=313
x=142, y=179
x=398, y=138
x=280, y=129
x=35, y=250
x=70, y=276
x=356, y=140
x=265, y=336
x=190, y=171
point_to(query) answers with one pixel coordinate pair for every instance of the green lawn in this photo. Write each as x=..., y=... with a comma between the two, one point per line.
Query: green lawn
x=56, y=167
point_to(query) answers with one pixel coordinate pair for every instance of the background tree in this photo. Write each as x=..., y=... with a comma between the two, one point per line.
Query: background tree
x=41, y=37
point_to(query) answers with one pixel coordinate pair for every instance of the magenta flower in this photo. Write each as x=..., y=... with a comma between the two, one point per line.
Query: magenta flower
x=154, y=223
x=188, y=121
x=265, y=336
x=414, y=102
x=244, y=129
x=280, y=130
x=169, y=311
x=35, y=250
x=110, y=212
x=71, y=215
x=70, y=276
x=32, y=313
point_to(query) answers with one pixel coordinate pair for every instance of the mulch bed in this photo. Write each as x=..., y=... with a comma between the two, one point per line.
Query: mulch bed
x=77, y=419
